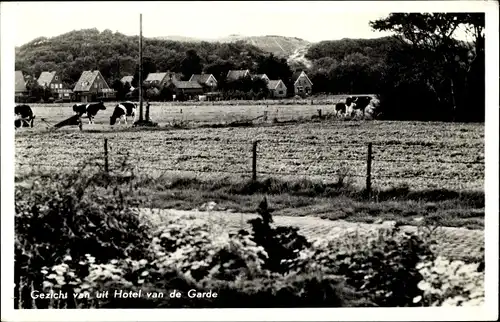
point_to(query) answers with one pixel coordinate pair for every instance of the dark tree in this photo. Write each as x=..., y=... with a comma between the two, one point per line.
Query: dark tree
x=444, y=65
x=275, y=68
x=191, y=64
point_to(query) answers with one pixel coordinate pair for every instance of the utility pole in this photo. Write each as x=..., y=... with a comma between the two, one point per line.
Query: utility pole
x=140, y=70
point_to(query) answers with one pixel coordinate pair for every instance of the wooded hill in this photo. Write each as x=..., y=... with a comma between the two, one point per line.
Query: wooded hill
x=116, y=55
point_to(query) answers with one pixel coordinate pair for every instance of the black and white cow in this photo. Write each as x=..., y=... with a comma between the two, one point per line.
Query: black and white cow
x=80, y=109
x=122, y=110
x=23, y=115
x=340, y=108
x=361, y=103
x=90, y=109
x=345, y=108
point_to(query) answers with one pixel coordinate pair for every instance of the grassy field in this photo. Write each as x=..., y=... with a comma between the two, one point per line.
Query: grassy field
x=432, y=168
x=166, y=113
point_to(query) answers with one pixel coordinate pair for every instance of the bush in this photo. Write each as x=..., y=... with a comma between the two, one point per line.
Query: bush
x=282, y=244
x=382, y=265
x=66, y=216
x=450, y=283
x=279, y=291
x=187, y=256
x=192, y=250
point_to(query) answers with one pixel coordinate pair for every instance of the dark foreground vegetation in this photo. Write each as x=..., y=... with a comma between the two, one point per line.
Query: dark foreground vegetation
x=80, y=233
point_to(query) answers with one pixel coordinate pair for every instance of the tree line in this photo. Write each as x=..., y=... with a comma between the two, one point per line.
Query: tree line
x=420, y=73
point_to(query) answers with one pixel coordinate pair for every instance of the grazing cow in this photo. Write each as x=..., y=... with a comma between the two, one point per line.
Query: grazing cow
x=361, y=103
x=340, y=108
x=91, y=109
x=80, y=109
x=23, y=115
x=122, y=110
x=372, y=107
x=350, y=104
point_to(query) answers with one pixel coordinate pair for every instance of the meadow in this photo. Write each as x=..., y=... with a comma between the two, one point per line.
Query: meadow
x=200, y=113
x=190, y=165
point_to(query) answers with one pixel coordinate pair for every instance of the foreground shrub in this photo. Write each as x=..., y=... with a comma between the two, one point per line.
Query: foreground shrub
x=380, y=265
x=290, y=290
x=274, y=290
x=190, y=248
x=229, y=265
x=282, y=244
x=65, y=216
x=450, y=283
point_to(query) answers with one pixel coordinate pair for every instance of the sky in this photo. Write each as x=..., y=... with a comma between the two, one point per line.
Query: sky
x=310, y=20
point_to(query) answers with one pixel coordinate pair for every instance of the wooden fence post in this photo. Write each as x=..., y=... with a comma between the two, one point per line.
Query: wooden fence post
x=369, y=170
x=254, y=161
x=147, y=111
x=106, y=165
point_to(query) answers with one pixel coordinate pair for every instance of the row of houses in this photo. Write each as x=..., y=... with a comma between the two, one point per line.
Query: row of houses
x=199, y=84
x=92, y=86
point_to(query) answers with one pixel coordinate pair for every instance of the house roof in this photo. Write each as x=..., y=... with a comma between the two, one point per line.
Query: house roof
x=86, y=80
x=296, y=75
x=46, y=78
x=236, y=74
x=175, y=76
x=152, y=77
x=186, y=85
x=261, y=76
x=172, y=77
x=272, y=84
x=127, y=79
x=20, y=82
x=200, y=78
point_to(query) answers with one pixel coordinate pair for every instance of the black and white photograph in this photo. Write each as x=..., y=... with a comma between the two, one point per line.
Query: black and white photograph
x=261, y=160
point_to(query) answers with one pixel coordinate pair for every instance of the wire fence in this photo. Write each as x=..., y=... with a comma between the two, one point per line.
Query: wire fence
x=370, y=164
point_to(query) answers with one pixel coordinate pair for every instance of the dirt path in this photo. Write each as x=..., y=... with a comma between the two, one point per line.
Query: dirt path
x=456, y=243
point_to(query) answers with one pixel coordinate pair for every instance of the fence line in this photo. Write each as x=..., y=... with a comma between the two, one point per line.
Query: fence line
x=293, y=147
x=253, y=170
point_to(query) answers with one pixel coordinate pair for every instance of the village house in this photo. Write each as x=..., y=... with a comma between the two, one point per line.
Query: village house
x=53, y=82
x=174, y=77
x=205, y=80
x=20, y=86
x=64, y=94
x=158, y=79
x=262, y=76
x=92, y=86
x=277, y=89
x=162, y=79
x=302, y=85
x=233, y=75
x=185, y=90
x=50, y=80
